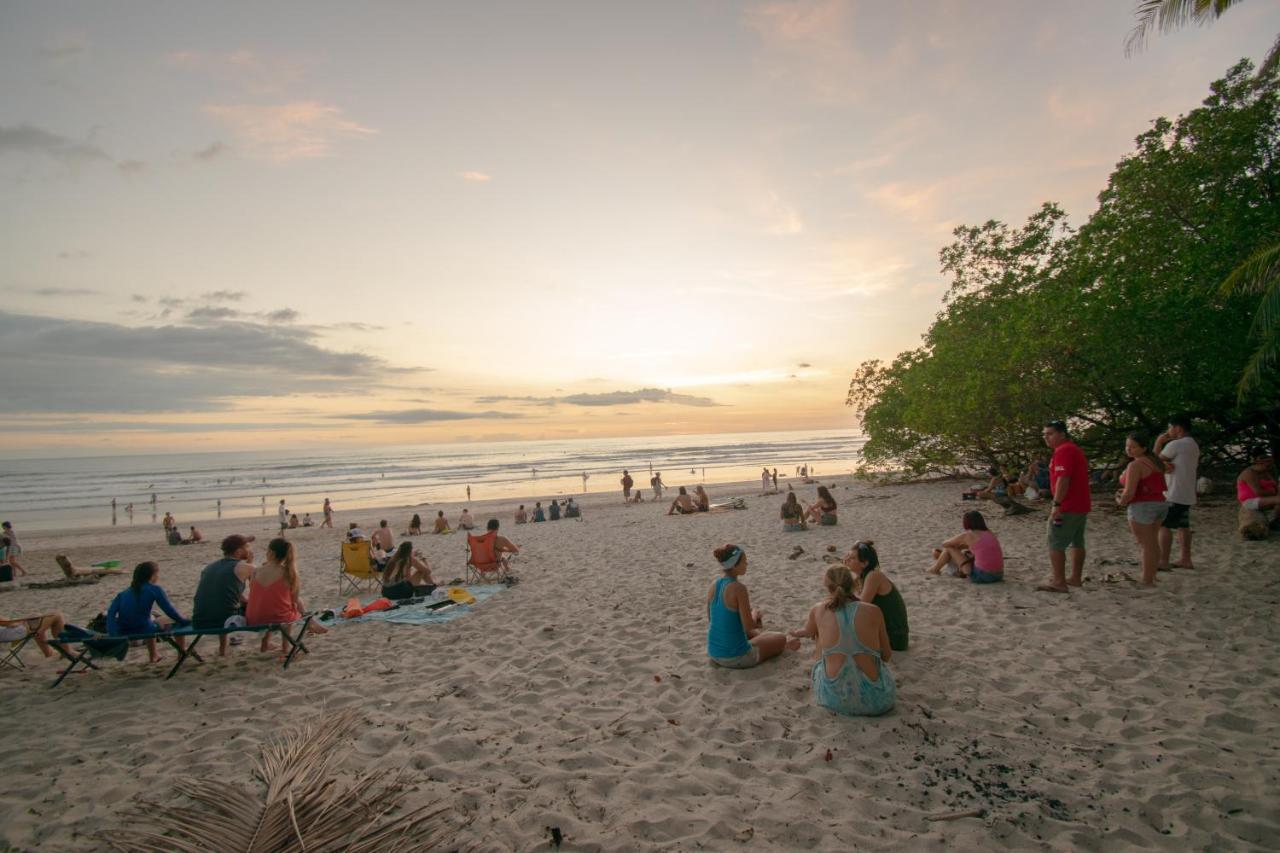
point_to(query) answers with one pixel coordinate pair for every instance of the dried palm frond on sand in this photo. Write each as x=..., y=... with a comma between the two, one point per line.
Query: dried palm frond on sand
x=305, y=805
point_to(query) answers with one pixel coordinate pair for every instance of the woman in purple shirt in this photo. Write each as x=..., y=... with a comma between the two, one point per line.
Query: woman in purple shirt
x=130, y=611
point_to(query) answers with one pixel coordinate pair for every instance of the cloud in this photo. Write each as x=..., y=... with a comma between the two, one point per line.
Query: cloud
x=138, y=297
x=803, y=365
x=283, y=315
x=212, y=151
x=224, y=295
x=609, y=398
x=245, y=68
x=29, y=139
x=211, y=314
x=56, y=291
x=295, y=130
x=169, y=301
x=808, y=43
x=56, y=365
x=476, y=177
x=423, y=416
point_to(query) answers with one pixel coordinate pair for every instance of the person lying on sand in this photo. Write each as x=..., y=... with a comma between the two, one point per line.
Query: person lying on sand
x=442, y=523
x=683, y=504
x=74, y=572
x=975, y=553
x=130, y=610
x=850, y=676
x=736, y=638
x=37, y=627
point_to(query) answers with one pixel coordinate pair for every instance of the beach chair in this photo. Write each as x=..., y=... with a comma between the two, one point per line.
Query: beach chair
x=357, y=570
x=94, y=645
x=483, y=565
x=12, y=658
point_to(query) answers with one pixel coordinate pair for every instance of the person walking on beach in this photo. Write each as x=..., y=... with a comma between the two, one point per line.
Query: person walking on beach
x=283, y=513
x=1069, y=486
x=735, y=635
x=1176, y=446
x=328, y=514
x=627, y=483
x=657, y=485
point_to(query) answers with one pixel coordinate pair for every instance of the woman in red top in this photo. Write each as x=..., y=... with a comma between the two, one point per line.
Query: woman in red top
x=1143, y=493
x=273, y=591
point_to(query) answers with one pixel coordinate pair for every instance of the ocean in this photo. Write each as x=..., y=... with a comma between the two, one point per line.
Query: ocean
x=66, y=493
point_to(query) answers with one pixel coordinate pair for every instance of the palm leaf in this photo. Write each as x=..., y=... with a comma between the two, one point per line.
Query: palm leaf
x=1165, y=16
x=303, y=805
x=1259, y=273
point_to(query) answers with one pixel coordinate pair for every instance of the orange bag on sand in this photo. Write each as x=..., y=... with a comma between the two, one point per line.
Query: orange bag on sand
x=379, y=604
x=353, y=609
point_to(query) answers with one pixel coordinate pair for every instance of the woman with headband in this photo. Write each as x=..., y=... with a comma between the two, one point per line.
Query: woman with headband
x=735, y=638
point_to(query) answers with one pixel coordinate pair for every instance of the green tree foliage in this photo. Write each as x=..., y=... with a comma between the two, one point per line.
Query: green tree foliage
x=1114, y=327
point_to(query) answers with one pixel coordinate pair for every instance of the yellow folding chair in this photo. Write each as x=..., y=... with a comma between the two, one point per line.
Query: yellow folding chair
x=357, y=570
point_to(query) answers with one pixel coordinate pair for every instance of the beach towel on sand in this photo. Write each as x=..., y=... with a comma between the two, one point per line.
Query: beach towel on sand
x=420, y=613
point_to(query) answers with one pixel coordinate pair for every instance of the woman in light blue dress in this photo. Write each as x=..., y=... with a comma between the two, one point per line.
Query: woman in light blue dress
x=850, y=677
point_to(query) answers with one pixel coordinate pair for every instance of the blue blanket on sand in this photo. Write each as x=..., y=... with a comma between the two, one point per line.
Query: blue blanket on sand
x=418, y=614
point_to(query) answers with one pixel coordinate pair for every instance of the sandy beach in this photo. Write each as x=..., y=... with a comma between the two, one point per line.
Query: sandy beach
x=1111, y=718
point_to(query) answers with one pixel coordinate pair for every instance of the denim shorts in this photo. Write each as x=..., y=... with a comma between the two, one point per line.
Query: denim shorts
x=1148, y=512
x=977, y=575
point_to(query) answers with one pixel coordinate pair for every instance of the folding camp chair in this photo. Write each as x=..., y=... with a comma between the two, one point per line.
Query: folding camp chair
x=12, y=657
x=357, y=570
x=483, y=564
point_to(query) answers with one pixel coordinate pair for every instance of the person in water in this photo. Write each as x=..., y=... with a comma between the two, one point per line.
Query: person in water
x=736, y=638
x=130, y=610
x=975, y=553
x=874, y=587
x=850, y=676
x=274, y=591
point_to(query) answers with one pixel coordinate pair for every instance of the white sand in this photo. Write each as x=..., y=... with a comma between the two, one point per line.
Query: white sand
x=1108, y=719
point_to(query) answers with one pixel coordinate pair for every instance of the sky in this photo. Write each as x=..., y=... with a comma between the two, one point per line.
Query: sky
x=240, y=225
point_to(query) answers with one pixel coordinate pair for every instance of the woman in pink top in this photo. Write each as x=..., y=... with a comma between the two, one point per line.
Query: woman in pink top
x=1143, y=494
x=273, y=591
x=976, y=553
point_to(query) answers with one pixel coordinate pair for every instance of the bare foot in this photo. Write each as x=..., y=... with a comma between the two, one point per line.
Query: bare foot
x=1075, y=582
x=793, y=643
x=1049, y=587
x=313, y=628
x=1185, y=566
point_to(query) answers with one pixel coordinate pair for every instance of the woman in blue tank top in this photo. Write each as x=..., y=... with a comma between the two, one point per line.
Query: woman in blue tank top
x=735, y=638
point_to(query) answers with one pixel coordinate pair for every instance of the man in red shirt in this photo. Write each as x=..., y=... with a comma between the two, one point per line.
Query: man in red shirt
x=1069, y=486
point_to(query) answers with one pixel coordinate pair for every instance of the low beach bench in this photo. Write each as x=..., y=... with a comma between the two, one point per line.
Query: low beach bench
x=104, y=645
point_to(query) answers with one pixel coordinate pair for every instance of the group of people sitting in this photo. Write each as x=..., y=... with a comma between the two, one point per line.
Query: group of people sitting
x=796, y=517
x=684, y=504
x=554, y=511
x=174, y=537
x=406, y=573
x=856, y=628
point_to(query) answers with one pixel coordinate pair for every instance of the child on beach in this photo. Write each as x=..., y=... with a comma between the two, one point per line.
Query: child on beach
x=850, y=676
x=735, y=635
x=975, y=553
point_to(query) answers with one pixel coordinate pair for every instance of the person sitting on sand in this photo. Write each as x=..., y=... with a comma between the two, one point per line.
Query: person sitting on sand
x=196, y=535
x=37, y=627
x=553, y=511
x=415, y=525
x=407, y=575
x=306, y=520
x=382, y=538
x=1257, y=495
x=294, y=524
x=997, y=486
x=638, y=497
x=538, y=514
x=874, y=587
x=792, y=514
x=130, y=610
x=683, y=504
x=274, y=597
x=220, y=591
x=571, y=509
x=74, y=572
x=522, y=517
x=735, y=635
x=850, y=676
x=975, y=553
x=1142, y=493
x=823, y=510
x=465, y=521
x=354, y=533
x=442, y=523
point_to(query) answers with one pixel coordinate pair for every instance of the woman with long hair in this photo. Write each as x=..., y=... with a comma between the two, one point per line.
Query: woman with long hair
x=850, y=676
x=406, y=575
x=1142, y=492
x=975, y=553
x=792, y=514
x=274, y=591
x=735, y=636
x=874, y=587
x=823, y=510
x=130, y=610
x=415, y=525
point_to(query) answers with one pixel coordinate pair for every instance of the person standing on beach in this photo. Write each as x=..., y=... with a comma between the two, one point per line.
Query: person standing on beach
x=764, y=481
x=1176, y=446
x=1069, y=486
x=627, y=483
x=328, y=514
x=775, y=481
x=283, y=513
x=658, y=485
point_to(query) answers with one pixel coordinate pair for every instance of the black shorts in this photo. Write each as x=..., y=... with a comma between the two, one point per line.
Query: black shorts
x=1178, y=517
